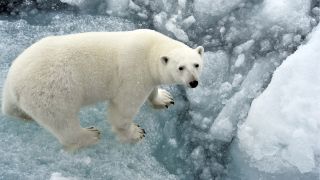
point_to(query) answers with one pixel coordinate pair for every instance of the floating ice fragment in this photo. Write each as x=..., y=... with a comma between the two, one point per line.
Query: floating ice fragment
x=189, y=21
x=316, y=11
x=173, y=142
x=293, y=14
x=117, y=7
x=176, y=31
x=74, y=2
x=207, y=8
x=244, y=47
x=134, y=6
x=58, y=176
x=222, y=130
x=287, y=39
x=240, y=60
x=237, y=80
x=160, y=19
x=265, y=45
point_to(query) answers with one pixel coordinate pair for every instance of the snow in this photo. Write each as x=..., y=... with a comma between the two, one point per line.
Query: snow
x=283, y=126
x=291, y=13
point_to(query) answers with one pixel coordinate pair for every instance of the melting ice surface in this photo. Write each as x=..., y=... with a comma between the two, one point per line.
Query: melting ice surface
x=213, y=131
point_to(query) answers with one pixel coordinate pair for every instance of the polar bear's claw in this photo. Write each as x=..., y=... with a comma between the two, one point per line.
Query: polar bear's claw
x=132, y=135
x=142, y=132
x=95, y=131
x=162, y=100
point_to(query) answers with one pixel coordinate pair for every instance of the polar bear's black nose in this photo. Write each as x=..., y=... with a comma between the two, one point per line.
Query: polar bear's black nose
x=193, y=84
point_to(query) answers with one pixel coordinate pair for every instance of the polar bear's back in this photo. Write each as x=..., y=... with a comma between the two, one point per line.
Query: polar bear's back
x=86, y=47
x=77, y=63
x=85, y=65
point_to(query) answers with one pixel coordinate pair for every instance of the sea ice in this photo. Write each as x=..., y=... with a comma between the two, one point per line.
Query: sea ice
x=294, y=14
x=282, y=130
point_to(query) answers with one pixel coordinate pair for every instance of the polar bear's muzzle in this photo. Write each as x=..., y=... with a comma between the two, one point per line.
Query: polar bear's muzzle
x=193, y=84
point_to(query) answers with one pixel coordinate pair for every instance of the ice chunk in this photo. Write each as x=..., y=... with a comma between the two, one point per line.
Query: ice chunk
x=160, y=19
x=134, y=6
x=237, y=106
x=265, y=45
x=244, y=47
x=222, y=130
x=189, y=21
x=117, y=7
x=209, y=8
x=182, y=3
x=237, y=80
x=316, y=11
x=282, y=129
x=58, y=176
x=177, y=31
x=287, y=39
x=73, y=2
x=240, y=60
x=293, y=14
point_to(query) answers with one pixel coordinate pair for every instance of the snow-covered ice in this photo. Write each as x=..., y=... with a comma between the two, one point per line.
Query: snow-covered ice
x=282, y=130
x=291, y=13
x=205, y=9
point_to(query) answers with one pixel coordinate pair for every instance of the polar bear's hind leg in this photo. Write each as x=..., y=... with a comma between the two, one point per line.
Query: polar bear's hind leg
x=58, y=113
x=66, y=128
x=11, y=109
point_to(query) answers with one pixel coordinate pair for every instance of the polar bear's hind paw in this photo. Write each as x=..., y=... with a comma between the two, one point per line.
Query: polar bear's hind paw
x=83, y=138
x=93, y=129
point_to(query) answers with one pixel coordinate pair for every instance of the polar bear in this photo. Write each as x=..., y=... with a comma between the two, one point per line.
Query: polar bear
x=52, y=79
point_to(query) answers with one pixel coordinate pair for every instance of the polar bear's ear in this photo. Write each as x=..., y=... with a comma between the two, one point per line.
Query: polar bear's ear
x=164, y=60
x=200, y=50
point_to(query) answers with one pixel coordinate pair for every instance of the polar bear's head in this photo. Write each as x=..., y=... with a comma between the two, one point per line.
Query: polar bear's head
x=183, y=66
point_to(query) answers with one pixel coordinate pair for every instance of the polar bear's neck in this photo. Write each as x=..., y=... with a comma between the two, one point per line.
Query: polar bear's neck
x=159, y=45
x=157, y=70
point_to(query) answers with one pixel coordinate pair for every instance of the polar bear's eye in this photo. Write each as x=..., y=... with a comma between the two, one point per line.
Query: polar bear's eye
x=181, y=68
x=196, y=65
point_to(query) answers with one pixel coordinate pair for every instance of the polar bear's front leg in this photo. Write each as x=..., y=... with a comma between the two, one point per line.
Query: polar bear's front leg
x=160, y=98
x=121, y=116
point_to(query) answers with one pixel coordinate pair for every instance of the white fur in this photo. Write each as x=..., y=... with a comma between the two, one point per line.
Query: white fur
x=52, y=79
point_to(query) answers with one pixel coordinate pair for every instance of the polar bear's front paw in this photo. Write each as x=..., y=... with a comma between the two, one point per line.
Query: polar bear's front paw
x=162, y=100
x=132, y=135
